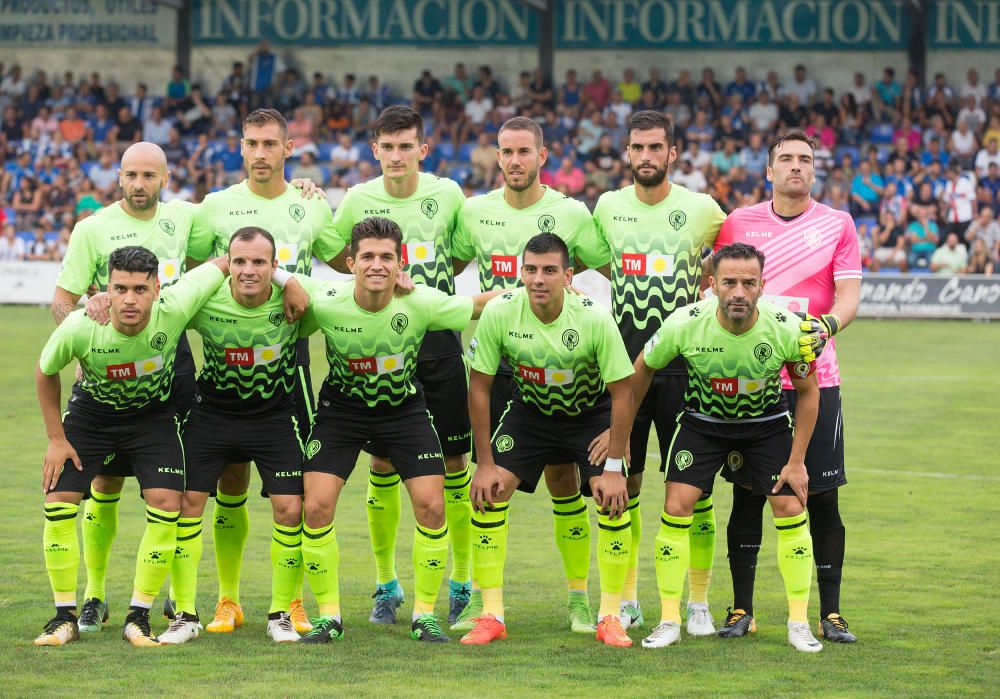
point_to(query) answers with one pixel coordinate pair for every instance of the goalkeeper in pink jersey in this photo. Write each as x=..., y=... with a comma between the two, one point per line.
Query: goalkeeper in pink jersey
x=813, y=268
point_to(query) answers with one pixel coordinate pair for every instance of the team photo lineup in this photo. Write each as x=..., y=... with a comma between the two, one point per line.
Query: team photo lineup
x=707, y=342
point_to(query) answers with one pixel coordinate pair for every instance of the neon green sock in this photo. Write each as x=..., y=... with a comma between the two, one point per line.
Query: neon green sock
x=672, y=555
x=572, y=531
x=383, y=521
x=321, y=559
x=230, y=527
x=630, y=590
x=156, y=553
x=614, y=545
x=458, y=513
x=489, y=552
x=100, y=525
x=62, y=551
x=430, y=556
x=286, y=566
x=184, y=567
x=702, y=535
x=795, y=561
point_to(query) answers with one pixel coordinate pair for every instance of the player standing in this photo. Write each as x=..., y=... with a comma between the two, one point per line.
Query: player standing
x=655, y=232
x=493, y=229
x=568, y=357
x=813, y=266
x=122, y=405
x=426, y=209
x=735, y=415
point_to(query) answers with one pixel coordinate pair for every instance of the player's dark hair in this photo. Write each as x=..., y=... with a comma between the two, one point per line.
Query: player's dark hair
x=248, y=233
x=548, y=242
x=134, y=259
x=263, y=117
x=398, y=118
x=649, y=119
x=377, y=227
x=793, y=135
x=522, y=123
x=737, y=251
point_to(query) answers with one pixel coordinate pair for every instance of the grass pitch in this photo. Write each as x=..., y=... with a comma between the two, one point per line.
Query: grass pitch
x=920, y=580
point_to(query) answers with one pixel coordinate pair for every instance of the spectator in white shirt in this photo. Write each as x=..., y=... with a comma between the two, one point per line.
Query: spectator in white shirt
x=987, y=156
x=12, y=247
x=156, y=129
x=689, y=177
x=973, y=87
x=345, y=154
x=763, y=113
x=958, y=201
x=802, y=86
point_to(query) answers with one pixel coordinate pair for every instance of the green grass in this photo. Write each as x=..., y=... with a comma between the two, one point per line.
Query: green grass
x=920, y=582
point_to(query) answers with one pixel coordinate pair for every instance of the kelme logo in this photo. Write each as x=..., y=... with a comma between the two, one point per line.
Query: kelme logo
x=429, y=207
x=297, y=212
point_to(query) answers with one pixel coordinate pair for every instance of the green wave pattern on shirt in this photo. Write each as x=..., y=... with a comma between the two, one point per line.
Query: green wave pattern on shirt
x=132, y=394
x=246, y=383
x=704, y=399
x=389, y=389
x=586, y=389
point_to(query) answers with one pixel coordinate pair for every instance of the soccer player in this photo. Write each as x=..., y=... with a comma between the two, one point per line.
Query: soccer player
x=813, y=266
x=654, y=232
x=426, y=209
x=301, y=229
x=243, y=410
x=121, y=405
x=735, y=415
x=493, y=229
x=565, y=350
x=139, y=218
x=372, y=344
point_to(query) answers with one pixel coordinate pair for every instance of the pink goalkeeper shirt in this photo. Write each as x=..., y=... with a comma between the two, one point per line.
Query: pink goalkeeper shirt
x=803, y=259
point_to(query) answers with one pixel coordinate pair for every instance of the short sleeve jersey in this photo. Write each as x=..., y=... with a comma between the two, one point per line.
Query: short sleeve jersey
x=125, y=375
x=494, y=234
x=560, y=368
x=301, y=227
x=427, y=220
x=373, y=356
x=803, y=260
x=730, y=377
x=656, y=256
x=249, y=366
x=94, y=238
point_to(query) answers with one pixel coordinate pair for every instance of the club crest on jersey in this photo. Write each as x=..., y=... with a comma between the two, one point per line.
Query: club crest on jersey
x=505, y=443
x=812, y=237
x=312, y=448
x=159, y=341
x=546, y=223
x=429, y=208
x=677, y=219
x=167, y=226
x=683, y=459
x=275, y=318
x=399, y=323
x=762, y=352
x=297, y=212
x=571, y=338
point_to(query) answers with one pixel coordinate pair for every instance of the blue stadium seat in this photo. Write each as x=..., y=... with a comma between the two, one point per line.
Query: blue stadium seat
x=26, y=236
x=326, y=174
x=325, y=148
x=459, y=173
x=446, y=150
x=10, y=213
x=465, y=151
x=51, y=236
x=853, y=151
x=881, y=134
x=366, y=152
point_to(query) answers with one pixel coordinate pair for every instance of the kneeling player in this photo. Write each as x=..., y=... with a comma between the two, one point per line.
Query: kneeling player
x=121, y=406
x=372, y=342
x=564, y=349
x=735, y=414
x=243, y=410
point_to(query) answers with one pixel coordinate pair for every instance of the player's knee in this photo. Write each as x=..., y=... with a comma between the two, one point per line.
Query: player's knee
x=193, y=503
x=235, y=479
x=824, y=510
x=678, y=504
x=286, y=510
x=64, y=497
x=382, y=465
x=634, y=484
x=428, y=509
x=562, y=480
x=163, y=499
x=786, y=506
x=109, y=485
x=454, y=464
x=317, y=512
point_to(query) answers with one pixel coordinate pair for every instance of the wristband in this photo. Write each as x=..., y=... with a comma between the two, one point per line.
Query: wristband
x=831, y=322
x=613, y=465
x=281, y=277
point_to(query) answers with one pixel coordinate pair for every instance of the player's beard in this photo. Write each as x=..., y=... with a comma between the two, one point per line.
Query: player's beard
x=659, y=174
x=528, y=181
x=152, y=198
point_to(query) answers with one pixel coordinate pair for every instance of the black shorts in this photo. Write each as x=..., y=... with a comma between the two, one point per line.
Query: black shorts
x=501, y=395
x=445, y=384
x=213, y=439
x=305, y=401
x=151, y=445
x=663, y=403
x=343, y=428
x=825, y=453
x=757, y=451
x=526, y=440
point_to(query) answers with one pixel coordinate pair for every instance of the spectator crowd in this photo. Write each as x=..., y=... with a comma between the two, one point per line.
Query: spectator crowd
x=917, y=167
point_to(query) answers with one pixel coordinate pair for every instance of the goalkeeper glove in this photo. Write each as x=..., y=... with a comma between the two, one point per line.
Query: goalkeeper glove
x=816, y=334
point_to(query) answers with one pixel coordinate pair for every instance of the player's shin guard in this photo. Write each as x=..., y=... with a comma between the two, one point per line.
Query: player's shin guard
x=458, y=513
x=286, y=566
x=828, y=538
x=702, y=534
x=184, y=567
x=321, y=559
x=614, y=546
x=572, y=531
x=430, y=556
x=156, y=553
x=672, y=556
x=383, y=521
x=630, y=591
x=62, y=551
x=489, y=552
x=230, y=527
x=99, y=527
x=743, y=535
x=795, y=561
